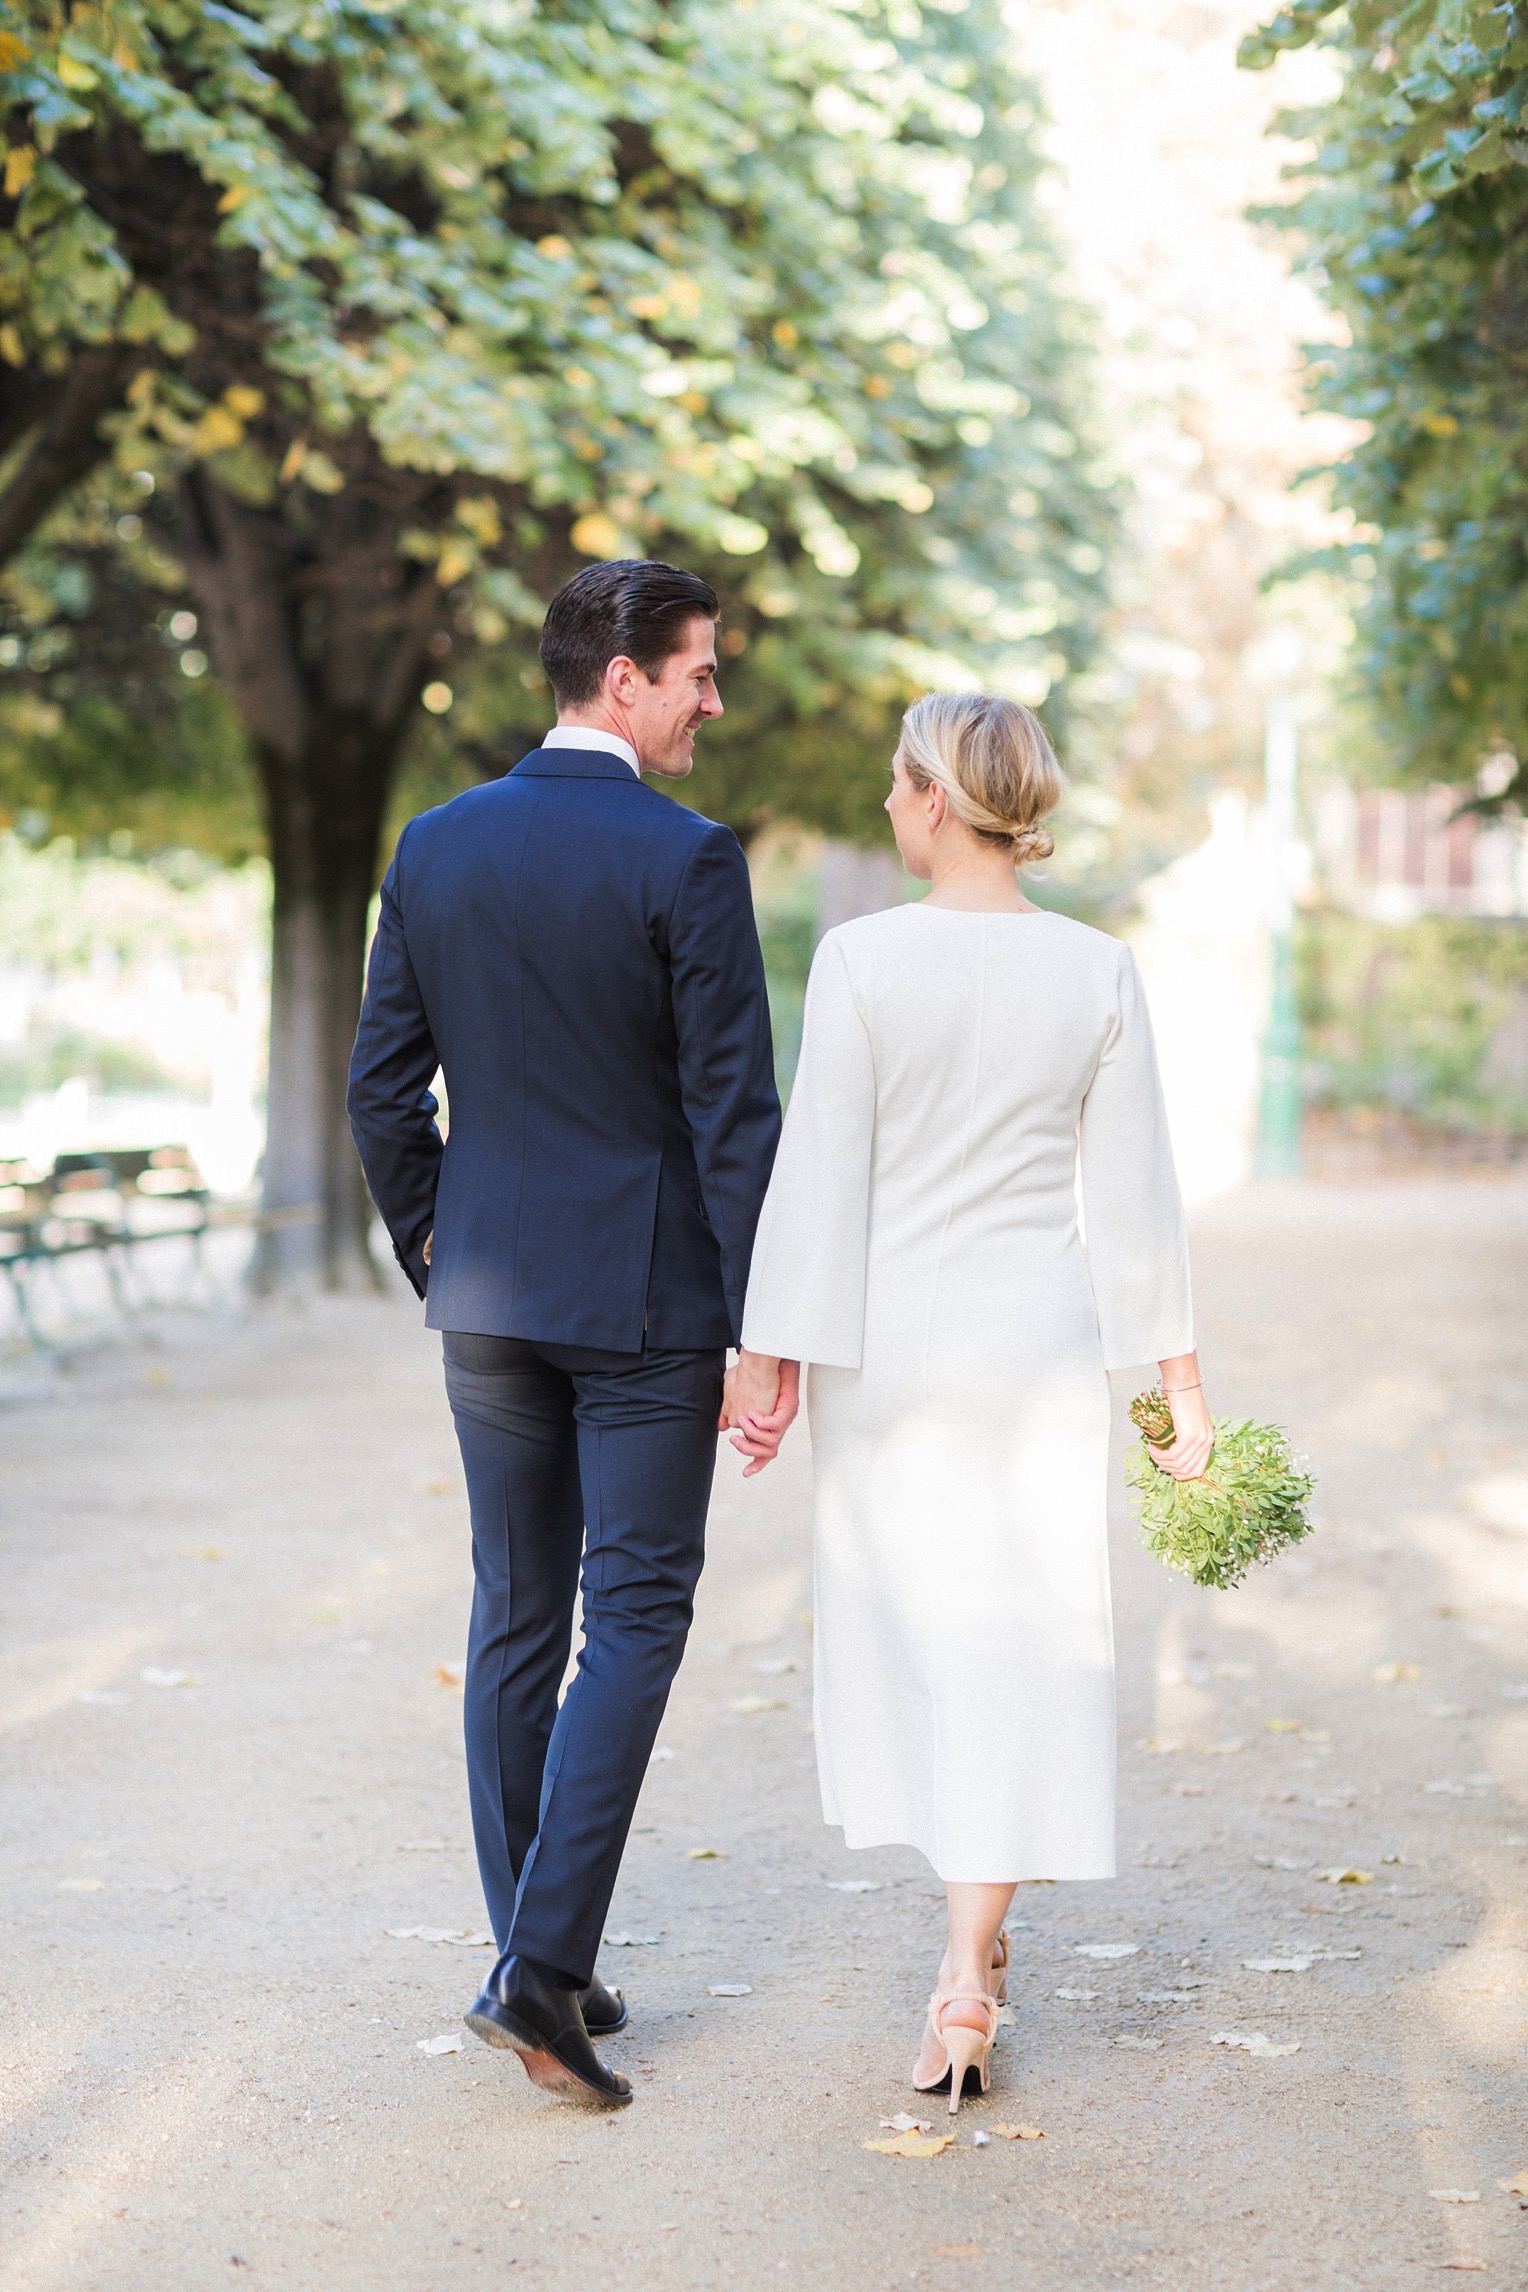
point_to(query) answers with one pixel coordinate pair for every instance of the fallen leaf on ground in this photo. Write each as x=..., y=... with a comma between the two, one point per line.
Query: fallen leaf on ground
x=981, y=2140
x=449, y=1675
x=729, y=1990
x=81, y=1885
x=1339, y=1799
x=422, y=1846
x=1470, y=1788
x=1106, y=1949
x=1392, y=1674
x=1005, y=2016
x=854, y=1885
x=902, y=2123
x=1079, y=1994
x=1464, y=2264
x=1455, y=2196
x=202, y=1552
x=707, y=1854
x=1281, y=1799
x=1254, y=2041
x=1138, y=2044
x=1278, y=1862
x=1278, y=1965
x=662, y=1756
x=1162, y=1749
x=1517, y=2187
x=1189, y=1790
x=449, y=2043
x=1018, y=2132
x=759, y=1703
x=1155, y=1862
x=1345, y=1875
x=913, y=2145
x=464, y=1937
x=152, y=1676
x=633, y=1941
x=1285, y=1726
x=101, y=1695
x=436, y=1487
x=1168, y=1997
x=1225, y=1750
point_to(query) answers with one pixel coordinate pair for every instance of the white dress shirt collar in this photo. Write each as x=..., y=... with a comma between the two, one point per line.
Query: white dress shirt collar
x=581, y=736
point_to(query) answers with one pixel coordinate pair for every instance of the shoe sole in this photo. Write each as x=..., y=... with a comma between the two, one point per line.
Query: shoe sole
x=540, y=2066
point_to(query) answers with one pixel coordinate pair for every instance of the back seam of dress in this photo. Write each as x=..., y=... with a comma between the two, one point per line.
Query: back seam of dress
x=965, y=1155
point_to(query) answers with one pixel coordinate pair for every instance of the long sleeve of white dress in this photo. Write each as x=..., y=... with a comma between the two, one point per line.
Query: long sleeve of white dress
x=806, y=1293
x=1133, y=1215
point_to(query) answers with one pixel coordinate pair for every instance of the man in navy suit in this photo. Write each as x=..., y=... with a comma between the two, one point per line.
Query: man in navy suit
x=578, y=955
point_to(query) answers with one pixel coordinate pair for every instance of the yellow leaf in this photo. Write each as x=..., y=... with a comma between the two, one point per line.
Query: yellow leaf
x=1346, y=1876
x=141, y=388
x=1439, y=425
x=693, y=401
x=448, y=1675
x=1017, y=2132
x=913, y=2145
x=455, y=562
x=1285, y=1726
x=291, y=466
x=708, y=1854
x=648, y=305
x=785, y=334
x=1518, y=2186
x=10, y=347
x=216, y=431
x=76, y=75
x=244, y=401
x=1394, y=1674
x=877, y=386
x=320, y=474
x=235, y=196
x=597, y=535
x=20, y=167
x=555, y=248
x=12, y=51
x=481, y=518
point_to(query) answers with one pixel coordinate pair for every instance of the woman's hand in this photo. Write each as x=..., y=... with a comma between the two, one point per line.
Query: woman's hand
x=759, y=1402
x=1193, y=1433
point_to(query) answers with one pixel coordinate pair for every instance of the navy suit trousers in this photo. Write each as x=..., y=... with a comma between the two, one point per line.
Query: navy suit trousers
x=573, y=1456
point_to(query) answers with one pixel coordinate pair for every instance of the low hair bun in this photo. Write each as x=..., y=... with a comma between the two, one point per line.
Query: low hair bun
x=993, y=761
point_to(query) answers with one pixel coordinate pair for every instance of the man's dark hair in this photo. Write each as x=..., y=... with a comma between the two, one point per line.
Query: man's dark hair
x=633, y=605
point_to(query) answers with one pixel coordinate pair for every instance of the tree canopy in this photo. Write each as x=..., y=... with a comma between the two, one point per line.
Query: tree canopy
x=1414, y=217
x=764, y=287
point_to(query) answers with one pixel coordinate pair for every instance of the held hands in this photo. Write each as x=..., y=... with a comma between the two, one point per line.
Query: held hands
x=759, y=1403
x=1193, y=1432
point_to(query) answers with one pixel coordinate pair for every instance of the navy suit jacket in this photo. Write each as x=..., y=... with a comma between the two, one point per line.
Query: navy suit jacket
x=579, y=956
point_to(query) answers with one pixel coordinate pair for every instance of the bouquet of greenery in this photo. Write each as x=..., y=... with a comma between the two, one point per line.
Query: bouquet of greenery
x=1249, y=1504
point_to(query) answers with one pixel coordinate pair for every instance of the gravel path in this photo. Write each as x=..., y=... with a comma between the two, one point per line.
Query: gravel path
x=211, y=2038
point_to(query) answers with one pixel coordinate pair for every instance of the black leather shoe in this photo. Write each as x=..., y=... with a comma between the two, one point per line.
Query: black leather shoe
x=520, y=2008
x=604, y=2011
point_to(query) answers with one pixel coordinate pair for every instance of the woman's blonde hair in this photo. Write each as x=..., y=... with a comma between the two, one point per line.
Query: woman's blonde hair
x=992, y=760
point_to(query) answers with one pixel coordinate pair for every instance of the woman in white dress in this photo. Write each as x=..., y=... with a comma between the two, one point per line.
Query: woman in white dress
x=964, y=1059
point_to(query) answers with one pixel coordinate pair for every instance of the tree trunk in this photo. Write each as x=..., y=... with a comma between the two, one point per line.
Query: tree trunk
x=325, y=813
x=322, y=645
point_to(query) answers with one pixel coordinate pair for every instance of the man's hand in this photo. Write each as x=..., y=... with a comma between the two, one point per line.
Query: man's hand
x=759, y=1402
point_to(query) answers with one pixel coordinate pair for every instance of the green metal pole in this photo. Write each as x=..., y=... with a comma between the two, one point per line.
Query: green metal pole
x=1279, y=1101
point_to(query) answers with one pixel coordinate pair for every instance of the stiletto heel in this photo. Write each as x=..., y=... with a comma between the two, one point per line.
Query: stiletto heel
x=968, y=2049
x=952, y=2049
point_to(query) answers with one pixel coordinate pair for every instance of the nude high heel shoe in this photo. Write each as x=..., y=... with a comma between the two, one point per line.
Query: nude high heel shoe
x=952, y=2049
